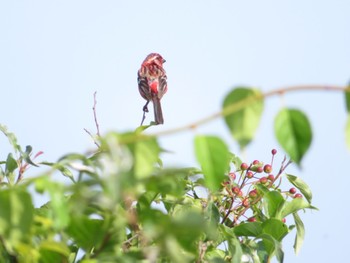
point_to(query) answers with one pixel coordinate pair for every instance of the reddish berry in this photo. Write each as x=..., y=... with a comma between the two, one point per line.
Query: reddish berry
x=292, y=190
x=232, y=175
x=267, y=168
x=249, y=174
x=271, y=177
x=245, y=202
x=263, y=180
x=256, y=162
x=253, y=193
x=273, y=151
x=259, y=169
x=298, y=196
x=284, y=220
x=244, y=166
x=236, y=191
x=252, y=219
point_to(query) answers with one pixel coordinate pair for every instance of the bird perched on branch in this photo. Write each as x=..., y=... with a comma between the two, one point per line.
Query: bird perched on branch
x=152, y=81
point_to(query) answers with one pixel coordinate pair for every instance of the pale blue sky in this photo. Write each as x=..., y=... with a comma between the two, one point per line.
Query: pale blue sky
x=55, y=54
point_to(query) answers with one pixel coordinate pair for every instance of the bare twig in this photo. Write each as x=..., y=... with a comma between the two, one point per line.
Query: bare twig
x=95, y=115
x=96, y=123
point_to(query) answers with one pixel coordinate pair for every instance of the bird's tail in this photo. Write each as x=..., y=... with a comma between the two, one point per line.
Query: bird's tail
x=158, y=114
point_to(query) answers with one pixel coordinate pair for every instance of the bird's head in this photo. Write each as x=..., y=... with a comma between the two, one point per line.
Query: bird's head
x=154, y=58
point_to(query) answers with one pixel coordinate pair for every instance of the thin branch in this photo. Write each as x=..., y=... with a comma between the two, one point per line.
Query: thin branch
x=95, y=115
x=234, y=108
x=241, y=104
x=96, y=123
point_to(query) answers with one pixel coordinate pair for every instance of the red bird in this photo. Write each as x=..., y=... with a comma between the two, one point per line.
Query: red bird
x=152, y=81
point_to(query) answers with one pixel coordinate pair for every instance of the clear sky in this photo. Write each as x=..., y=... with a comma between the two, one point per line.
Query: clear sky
x=55, y=54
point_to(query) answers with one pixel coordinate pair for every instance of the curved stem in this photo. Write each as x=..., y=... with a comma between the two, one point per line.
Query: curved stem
x=234, y=108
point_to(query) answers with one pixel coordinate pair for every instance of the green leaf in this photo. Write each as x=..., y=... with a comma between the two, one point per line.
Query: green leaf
x=244, y=107
x=293, y=132
x=234, y=245
x=214, y=157
x=299, y=238
x=301, y=185
x=252, y=229
x=11, y=137
x=347, y=132
x=273, y=202
x=26, y=155
x=347, y=99
x=16, y=215
x=236, y=161
x=294, y=206
x=11, y=164
x=272, y=247
x=60, y=167
x=87, y=233
x=52, y=246
x=276, y=228
x=58, y=203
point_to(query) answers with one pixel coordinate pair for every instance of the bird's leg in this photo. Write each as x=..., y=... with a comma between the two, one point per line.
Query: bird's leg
x=145, y=109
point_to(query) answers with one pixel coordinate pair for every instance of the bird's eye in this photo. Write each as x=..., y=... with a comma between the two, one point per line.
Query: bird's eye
x=164, y=60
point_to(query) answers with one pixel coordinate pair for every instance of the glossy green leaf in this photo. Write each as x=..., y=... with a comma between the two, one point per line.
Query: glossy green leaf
x=293, y=132
x=299, y=238
x=273, y=202
x=301, y=185
x=294, y=206
x=244, y=106
x=214, y=157
x=276, y=228
x=252, y=229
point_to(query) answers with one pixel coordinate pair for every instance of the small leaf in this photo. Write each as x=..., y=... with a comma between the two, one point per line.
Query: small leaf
x=274, y=202
x=244, y=121
x=347, y=99
x=347, y=132
x=213, y=155
x=16, y=215
x=272, y=246
x=299, y=238
x=87, y=233
x=11, y=164
x=26, y=155
x=235, y=248
x=301, y=185
x=293, y=132
x=294, y=206
x=252, y=229
x=11, y=137
x=276, y=228
x=236, y=161
x=146, y=154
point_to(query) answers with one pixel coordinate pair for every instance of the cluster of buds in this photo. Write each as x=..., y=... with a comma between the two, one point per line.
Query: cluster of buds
x=241, y=195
